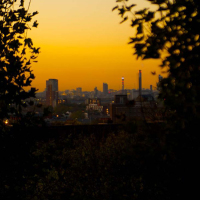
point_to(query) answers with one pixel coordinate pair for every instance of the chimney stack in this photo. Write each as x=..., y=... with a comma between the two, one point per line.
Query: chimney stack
x=140, y=83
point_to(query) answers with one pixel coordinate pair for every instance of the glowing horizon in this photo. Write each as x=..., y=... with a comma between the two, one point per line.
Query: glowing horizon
x=83, y=45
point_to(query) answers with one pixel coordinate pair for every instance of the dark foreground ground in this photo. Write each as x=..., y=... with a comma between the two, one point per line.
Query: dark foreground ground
x=98, y=162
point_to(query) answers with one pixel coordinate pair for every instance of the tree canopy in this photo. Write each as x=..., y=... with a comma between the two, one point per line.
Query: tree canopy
x=16, y=54
x=169, y=30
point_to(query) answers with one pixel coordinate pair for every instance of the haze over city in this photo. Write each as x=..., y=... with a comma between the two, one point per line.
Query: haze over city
x=83, y=45
x=85, y=119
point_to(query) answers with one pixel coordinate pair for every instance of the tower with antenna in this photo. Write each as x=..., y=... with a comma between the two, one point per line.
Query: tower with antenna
x=122, y=84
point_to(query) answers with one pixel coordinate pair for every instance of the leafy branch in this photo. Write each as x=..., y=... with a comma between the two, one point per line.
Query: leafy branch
x=15, y=65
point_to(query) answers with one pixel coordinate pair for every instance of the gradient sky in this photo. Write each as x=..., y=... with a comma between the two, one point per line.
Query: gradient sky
x=83, y=45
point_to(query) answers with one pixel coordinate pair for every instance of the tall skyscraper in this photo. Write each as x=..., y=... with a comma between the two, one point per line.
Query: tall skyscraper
x=105, y=88
x=151, y=89
x=52, y=92
x=79, y=91
x=140, y=82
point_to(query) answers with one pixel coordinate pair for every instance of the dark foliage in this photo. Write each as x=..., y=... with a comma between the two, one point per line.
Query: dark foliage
x=170, y=31
x=15, y=70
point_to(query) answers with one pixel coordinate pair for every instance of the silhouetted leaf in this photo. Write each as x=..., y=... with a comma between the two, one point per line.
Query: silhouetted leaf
x=121, y=11
x=28, y=41
x=115, y=8
x=131, y=6
x=35, y=24
x=125, y=18
x=133, y=40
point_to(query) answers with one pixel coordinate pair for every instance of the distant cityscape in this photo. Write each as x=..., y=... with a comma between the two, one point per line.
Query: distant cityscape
x=83, y=107
x=51, y=96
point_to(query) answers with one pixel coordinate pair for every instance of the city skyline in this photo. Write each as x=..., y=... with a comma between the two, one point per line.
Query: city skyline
x=100, y=88
x=105, y=88
x=82, y=43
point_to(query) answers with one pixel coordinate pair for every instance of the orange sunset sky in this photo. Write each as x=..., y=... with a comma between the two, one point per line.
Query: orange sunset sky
x=83, y=45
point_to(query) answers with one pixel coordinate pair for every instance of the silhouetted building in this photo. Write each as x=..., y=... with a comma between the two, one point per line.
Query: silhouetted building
x=120, y=99
x=105, y=88
x=79, y=91
x=63, y=101
x=145, y=98
x=52, y=92
x=119, y=102
x=159, y=80
x=95, y=92
x=140, y=82
x=93, y=101
x=94, y=104
x=160, y=77
x=151, y=89
x=144, y=108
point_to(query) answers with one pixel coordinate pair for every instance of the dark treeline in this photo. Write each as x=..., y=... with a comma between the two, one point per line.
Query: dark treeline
x=44, y=163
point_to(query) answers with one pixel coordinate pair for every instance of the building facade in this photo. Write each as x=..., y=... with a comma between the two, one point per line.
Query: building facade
x=52, y=92
x=105, y=88
x=142, y=108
